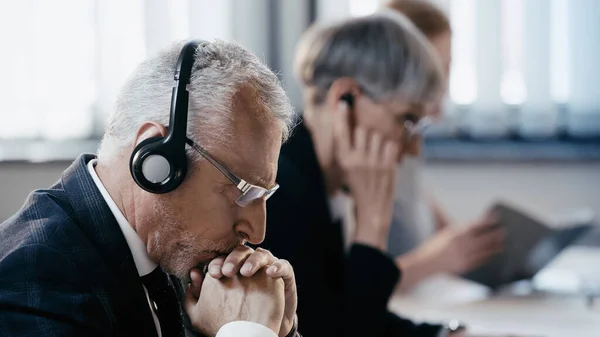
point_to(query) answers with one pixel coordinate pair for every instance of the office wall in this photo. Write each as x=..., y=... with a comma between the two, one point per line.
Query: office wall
x=464, y=189
x=547, y=191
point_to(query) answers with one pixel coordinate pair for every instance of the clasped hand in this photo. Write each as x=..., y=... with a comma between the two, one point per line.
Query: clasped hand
x=247, y=285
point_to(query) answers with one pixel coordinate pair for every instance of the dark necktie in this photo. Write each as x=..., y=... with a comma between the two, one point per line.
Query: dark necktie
x=164, y=301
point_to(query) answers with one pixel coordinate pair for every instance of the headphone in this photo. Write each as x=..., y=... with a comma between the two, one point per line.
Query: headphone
x=159, y=164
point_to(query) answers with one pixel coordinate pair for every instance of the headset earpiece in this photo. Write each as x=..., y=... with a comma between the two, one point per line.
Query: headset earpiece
x=156, y=168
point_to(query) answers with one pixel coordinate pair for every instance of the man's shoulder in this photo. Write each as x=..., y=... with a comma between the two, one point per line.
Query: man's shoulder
x=42, y=236
x=43, y=214
x=49, y=269
x=44, y=243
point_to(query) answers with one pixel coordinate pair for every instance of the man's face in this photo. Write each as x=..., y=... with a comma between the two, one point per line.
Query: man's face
x=200, y=219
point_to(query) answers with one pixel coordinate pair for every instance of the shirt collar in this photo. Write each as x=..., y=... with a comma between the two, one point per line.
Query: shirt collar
x=142, y=261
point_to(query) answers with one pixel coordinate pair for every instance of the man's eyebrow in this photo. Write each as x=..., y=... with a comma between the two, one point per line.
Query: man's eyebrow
x=259, y=181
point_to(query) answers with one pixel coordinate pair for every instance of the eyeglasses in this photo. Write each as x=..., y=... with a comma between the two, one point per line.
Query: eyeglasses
x=249, y=192
x=414, y=129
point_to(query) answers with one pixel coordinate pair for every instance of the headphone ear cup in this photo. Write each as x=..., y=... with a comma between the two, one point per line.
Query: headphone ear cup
x=136, y=162
x=145, y=143
x=155, y=167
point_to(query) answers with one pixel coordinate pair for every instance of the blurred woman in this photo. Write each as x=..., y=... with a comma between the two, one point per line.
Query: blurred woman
x=363, y=80
x=422, y=236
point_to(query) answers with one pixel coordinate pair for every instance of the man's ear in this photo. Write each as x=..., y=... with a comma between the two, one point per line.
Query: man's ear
x=148, y=130
x=339, y=88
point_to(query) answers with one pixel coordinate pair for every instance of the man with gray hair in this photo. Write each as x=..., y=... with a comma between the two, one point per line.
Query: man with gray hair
x=364, y=80
x=171, y=198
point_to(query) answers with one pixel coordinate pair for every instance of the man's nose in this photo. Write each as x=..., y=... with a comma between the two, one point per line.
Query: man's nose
x=252, y=222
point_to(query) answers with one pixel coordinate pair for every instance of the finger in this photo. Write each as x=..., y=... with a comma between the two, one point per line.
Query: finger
x=489, y=243
x=388, y=162
x=373, y=155
x=259, y=259
x=492, y=217
x=497, y=239
x=215, y=267
x=196, y=279
x=475, y=260
x=190, y=300
x=482, y=226
x=390, y=153
x=360, y=140
x=385, y=183
x=235, y=259
x=341, y=128
x=282, y=268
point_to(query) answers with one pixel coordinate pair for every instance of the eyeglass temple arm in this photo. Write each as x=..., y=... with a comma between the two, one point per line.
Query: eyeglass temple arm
x=240, y=183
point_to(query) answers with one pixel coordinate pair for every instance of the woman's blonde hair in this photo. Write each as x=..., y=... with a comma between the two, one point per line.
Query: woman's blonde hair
x=429, y=18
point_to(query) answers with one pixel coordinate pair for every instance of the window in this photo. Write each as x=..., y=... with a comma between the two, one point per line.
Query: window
x=64, y=61
x=47, y=65
x=521, y=68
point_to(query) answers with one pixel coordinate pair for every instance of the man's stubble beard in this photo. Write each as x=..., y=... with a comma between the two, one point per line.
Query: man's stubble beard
x=175, y=247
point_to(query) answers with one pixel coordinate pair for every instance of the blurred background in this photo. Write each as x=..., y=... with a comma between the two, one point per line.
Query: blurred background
x=522, y=120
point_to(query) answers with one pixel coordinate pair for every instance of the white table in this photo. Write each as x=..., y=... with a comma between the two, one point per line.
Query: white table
x=444, y=298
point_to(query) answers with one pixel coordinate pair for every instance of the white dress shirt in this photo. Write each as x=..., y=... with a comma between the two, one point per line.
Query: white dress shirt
x=145, y=265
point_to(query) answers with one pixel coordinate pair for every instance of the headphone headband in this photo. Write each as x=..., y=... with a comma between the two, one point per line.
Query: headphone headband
x=159, y=164
x=180, y=96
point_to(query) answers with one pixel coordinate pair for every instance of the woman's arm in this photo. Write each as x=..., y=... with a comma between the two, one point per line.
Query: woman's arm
x=441, y=218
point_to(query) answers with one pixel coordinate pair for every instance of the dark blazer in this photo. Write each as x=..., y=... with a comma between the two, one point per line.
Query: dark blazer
x=65, y=267
x=340, y=293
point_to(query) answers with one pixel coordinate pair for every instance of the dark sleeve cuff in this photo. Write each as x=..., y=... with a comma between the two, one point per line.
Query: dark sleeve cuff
x=371, y=277
x=372, y=270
